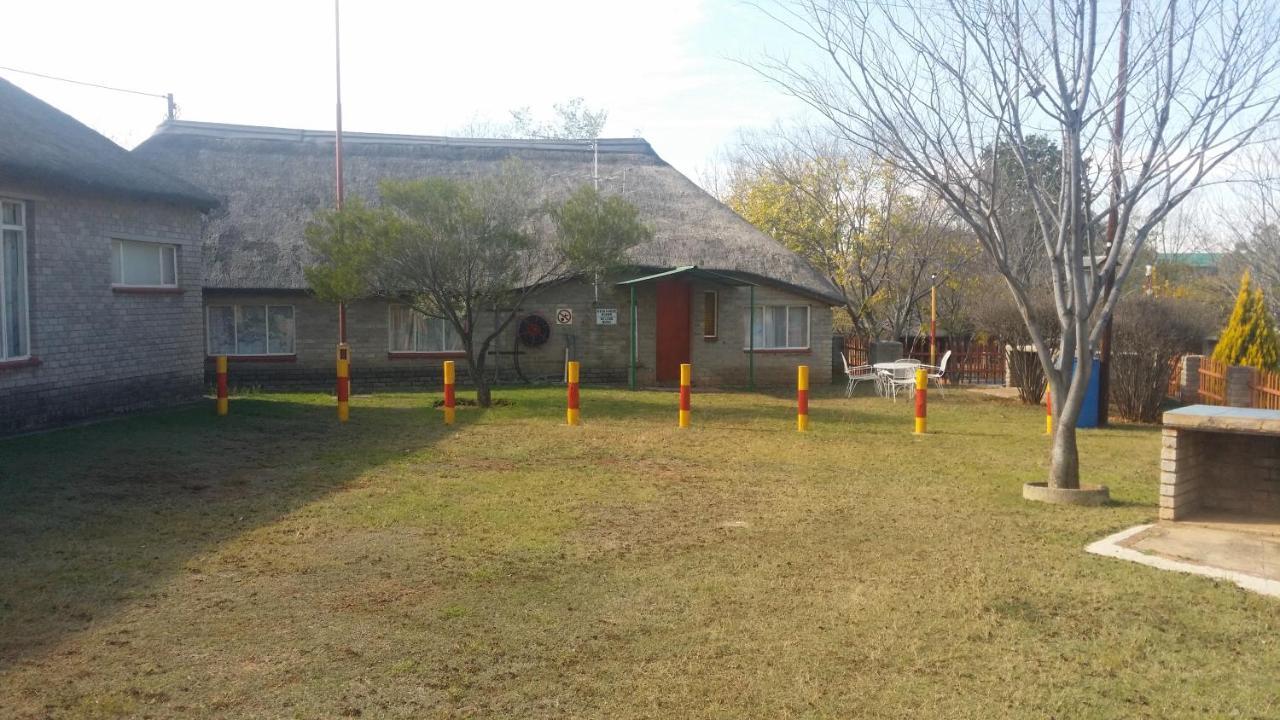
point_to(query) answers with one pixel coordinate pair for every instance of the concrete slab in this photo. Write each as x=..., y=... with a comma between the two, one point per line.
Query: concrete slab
x=1224, y=419
x=1247, y=558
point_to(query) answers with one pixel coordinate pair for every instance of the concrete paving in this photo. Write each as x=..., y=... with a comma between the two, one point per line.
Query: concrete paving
x=1244, y=551
x=1215, y=545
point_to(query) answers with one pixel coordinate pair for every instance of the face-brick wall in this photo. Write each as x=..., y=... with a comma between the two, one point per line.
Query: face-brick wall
x=101, y=350
x=1219, y=471
x=603, y=349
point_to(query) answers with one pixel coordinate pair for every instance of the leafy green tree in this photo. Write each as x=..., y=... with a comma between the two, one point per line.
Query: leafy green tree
x=1249, y=338
x=877, y=239
x=467, y=252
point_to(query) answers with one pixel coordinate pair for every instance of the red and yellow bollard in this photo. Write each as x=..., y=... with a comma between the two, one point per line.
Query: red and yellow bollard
x=344, y=381
x=802, y=398
x=220, y=368
x=450, y=398
x=686, y=373
x=573, y=414
x=922, y=399
x=1048, y=412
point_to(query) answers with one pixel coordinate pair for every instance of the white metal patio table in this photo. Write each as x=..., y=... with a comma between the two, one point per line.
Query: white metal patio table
x=899, y=373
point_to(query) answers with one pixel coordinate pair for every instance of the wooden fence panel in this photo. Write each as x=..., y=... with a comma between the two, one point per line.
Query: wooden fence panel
x=1266, y=390
x=1174, y=391
x=1213, y=382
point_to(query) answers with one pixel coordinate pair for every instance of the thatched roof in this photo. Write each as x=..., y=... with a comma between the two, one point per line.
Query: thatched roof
x=270, y=181
x=41, y=145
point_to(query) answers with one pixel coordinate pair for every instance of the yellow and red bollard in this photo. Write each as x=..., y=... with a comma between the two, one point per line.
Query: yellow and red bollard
x=1048, y=412
x=922, y=400
x=686, y=373
x=573, y=414
x=450, y=399
x=220, y=368
x=802, y=398
x=344, y=381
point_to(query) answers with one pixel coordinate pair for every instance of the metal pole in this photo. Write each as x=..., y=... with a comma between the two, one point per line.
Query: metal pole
x=1113, y=217
x=933, y=321
x=337, y=147
x=751, y=339
x=634, y=338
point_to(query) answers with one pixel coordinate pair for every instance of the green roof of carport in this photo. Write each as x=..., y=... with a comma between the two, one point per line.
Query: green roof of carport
x=692, y=271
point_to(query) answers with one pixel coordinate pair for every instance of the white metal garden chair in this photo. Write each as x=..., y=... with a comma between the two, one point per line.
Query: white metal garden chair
x=857, y=374
x=938, y=374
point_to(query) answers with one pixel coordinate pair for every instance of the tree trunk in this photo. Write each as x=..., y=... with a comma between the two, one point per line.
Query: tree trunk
x=1064, y=455
x=1064, y=458
x=484, y=397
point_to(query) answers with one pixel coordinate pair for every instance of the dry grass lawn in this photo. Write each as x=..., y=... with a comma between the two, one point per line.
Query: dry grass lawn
x=273, y=564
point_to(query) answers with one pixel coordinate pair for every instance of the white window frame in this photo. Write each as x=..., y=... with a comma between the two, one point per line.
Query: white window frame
x=119, y=250
x=391, y=308
x=26, y=287
x=808, y=329
x=235, y=330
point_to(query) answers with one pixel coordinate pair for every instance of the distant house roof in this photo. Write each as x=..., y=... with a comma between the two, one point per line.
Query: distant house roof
x=1191, y=259
x=40, y=144
x=270, y=182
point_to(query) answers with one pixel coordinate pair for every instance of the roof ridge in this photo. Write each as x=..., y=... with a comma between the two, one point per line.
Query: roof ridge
x=266, y=132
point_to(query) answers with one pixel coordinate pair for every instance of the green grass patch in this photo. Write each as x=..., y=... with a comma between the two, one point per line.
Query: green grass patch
x=274, y=563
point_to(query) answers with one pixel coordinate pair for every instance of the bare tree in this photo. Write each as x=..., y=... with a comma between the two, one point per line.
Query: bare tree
x=1254, y=225
x=930, y=87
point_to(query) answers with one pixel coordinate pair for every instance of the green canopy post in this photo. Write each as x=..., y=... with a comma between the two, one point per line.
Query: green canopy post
x=751, y=339
x=634, y=336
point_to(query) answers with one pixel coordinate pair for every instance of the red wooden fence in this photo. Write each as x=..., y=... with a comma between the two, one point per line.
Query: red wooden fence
x=1174, y=391
x=971, y=362
x=1213, y=382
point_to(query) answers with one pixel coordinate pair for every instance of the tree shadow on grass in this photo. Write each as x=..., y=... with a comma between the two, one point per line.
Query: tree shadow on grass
x=97, y=516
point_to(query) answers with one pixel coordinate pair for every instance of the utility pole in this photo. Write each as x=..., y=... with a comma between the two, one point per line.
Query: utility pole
x=933, y=319
x=1113, y=217
x=343, y=390
x=337, y=147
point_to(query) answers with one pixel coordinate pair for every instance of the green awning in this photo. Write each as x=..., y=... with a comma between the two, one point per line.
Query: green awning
x=691, y=271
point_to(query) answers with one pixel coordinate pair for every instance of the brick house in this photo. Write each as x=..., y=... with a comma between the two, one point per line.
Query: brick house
x=100, y=305
x=696, y=276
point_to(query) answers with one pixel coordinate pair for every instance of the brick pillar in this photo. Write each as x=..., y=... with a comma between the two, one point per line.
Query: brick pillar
x=1239, y=392
x=1189, y=383
x=1179, y=474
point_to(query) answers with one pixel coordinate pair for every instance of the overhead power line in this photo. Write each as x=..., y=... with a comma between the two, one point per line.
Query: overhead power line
x=167, y=97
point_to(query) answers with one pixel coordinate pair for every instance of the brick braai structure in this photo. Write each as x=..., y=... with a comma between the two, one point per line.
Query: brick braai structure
x=1220, y=459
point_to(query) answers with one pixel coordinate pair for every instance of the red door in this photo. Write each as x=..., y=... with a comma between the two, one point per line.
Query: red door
x=673, y=318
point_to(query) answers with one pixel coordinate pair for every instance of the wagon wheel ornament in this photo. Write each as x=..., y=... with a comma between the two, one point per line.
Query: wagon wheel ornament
x=533, y=331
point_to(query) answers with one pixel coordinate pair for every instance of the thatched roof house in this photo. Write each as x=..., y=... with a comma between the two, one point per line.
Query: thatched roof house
x=41, y=145
x=271, y=180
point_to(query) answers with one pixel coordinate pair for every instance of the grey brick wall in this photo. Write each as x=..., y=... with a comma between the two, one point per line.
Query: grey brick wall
x=603, y=350
x=102, y=351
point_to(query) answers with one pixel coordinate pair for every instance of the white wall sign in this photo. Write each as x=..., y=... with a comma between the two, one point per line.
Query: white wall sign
x=606, y=316
x=564, y=316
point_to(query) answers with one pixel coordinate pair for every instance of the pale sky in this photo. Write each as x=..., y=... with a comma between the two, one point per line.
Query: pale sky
x=661, y=68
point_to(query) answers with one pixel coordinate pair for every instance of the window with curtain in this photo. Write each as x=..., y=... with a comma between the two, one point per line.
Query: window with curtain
x=779, y=327
x=410, y=331
x=14, y=321
x=143, y=264
x=250, y=329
